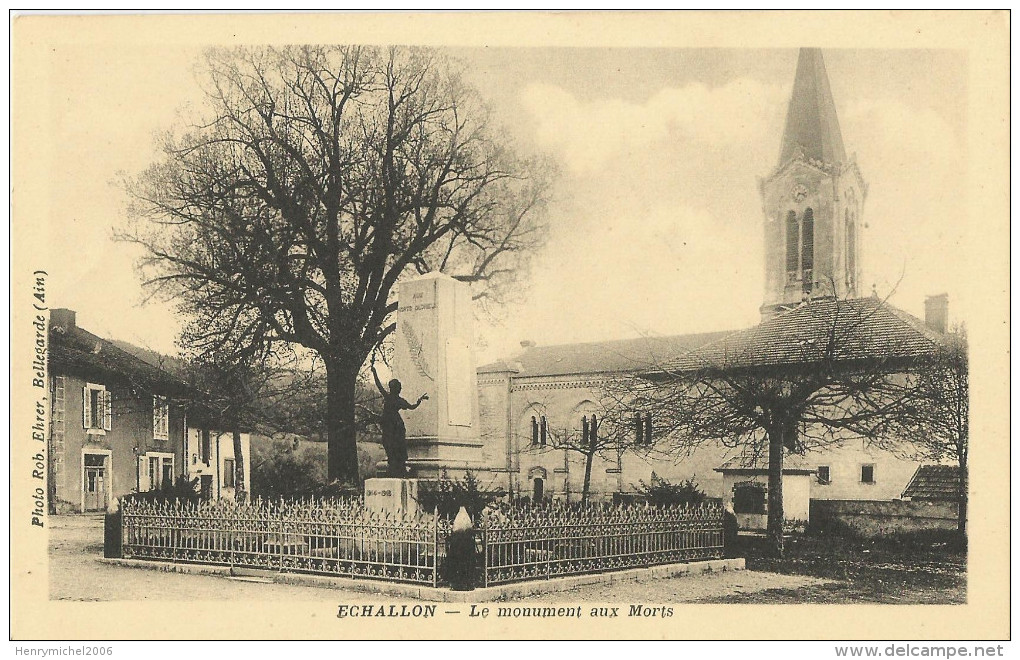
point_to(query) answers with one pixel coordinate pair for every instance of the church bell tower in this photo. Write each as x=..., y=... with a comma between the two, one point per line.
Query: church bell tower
x=812, y=200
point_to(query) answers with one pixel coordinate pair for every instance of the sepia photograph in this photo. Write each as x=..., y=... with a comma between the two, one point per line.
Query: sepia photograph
x=411, y=327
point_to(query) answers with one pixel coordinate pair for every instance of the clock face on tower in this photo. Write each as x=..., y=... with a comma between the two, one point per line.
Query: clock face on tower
x=799, y=192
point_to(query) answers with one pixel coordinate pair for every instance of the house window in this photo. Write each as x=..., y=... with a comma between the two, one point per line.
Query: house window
x=160, y=418
x=206, y=446
x=648, y=429
x=97, y=409
x=867, y=474
x=823, y=475
x=639, y=429
x=749, y=497
x=228, y=473
x=155, y=471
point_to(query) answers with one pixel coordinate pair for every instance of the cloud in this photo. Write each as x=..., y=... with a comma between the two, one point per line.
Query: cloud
x=589, y=134
x=916, y=237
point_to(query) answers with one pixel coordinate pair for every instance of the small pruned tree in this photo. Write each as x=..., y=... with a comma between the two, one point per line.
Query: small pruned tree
x=447, y=495
x=662, y=492
x=811, y=377
x=592, y=434
x=311, y=181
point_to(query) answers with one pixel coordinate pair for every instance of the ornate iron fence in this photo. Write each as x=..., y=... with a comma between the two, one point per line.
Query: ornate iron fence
x=330, y=538
x=344, y=539
x=537, y=543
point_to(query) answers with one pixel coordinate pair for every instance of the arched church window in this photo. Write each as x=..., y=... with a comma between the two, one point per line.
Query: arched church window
x=792, y=243
x=808, y=249
x=534, y=430
x=543, y=432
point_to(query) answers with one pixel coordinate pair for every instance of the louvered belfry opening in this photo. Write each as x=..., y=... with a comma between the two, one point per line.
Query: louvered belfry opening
x=792, y=244
x=807, y=249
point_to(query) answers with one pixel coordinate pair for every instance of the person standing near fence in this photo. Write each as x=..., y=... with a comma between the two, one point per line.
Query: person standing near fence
x=731, y=531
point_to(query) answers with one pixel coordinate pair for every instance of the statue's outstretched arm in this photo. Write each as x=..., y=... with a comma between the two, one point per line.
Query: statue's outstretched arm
x=412, y=406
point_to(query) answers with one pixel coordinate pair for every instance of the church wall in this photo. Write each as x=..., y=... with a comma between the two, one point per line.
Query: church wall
x=561, y=401
x=493, y=402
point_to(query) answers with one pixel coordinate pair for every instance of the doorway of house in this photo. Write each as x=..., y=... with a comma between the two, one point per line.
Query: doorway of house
x=538, y=491
x=206, y=487
x=94, y=483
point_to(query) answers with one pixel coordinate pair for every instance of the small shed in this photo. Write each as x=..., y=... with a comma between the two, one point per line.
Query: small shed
x=934, y=483
x=745, y=486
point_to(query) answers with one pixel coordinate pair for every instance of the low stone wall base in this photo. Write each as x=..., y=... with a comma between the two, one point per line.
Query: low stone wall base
x=503, y=592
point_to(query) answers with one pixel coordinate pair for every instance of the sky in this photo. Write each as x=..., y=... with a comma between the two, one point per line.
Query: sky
x=656, y=220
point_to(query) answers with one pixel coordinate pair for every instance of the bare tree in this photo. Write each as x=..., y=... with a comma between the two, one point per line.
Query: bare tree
x=317, y=178
x=809, y=378
x=936, y=424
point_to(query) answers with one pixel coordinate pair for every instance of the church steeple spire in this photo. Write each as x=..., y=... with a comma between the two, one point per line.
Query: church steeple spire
x=811, y=125
x=812, y=201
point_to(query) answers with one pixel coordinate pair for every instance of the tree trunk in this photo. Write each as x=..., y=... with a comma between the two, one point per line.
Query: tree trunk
x=587, y=477
x=961, y=523
x=240, y=487
x=774, y=531
x=341, y=433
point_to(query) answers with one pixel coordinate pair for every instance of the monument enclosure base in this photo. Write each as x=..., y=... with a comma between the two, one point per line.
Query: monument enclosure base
x=392, y=495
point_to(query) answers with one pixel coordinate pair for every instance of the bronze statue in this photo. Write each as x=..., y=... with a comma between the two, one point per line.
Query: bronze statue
x=394, y=435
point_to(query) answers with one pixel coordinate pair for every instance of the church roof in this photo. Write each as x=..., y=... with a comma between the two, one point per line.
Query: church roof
x=812, y=128
x=601, y=357
x=865, y=328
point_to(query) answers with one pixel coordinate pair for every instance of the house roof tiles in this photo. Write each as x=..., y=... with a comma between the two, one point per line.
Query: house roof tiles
x=934, y=482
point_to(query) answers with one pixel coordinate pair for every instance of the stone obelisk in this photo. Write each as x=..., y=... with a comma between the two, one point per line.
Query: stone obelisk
x=433, y=355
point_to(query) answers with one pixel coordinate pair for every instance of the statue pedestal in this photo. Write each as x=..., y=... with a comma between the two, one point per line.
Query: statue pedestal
x=392, y=495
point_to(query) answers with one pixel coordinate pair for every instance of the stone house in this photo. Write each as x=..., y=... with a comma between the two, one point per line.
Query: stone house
x=118, y=423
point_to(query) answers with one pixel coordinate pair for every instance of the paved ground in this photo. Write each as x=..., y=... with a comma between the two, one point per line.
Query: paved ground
x=76, y=544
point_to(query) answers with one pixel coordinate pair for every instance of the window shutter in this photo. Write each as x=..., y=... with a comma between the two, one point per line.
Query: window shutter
x=86, y=408
x=155, y=417
x=143, y=474
x=107, y=410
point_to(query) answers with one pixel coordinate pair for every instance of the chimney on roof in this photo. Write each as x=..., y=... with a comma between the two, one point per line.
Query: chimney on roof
x=527, y=343
x=936, y=312
x=64, y=319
